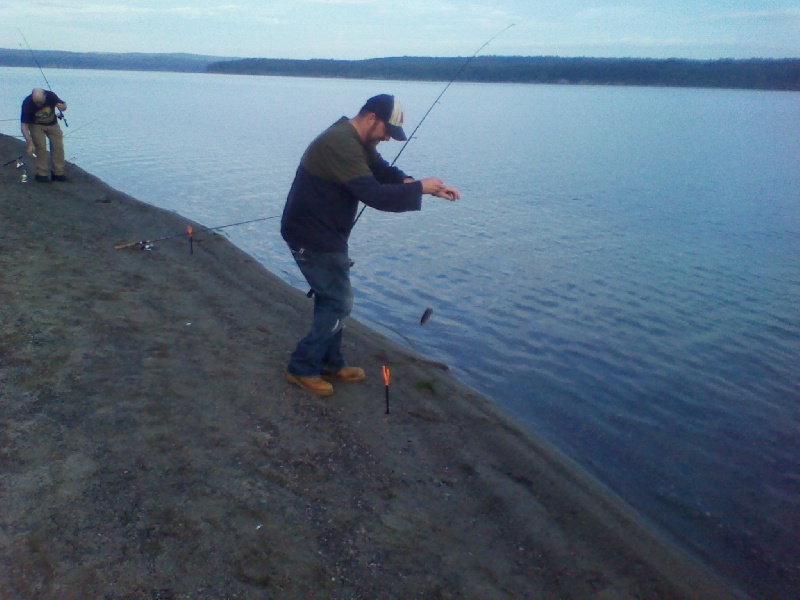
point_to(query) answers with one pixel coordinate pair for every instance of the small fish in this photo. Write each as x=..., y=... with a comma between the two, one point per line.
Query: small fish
x=425, y=316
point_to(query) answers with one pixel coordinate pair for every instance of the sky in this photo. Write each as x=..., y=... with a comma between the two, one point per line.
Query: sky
x=357, y=29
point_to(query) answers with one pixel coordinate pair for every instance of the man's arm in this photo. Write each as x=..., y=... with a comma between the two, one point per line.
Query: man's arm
x=57, y=102
x=384, y=173
x=388, y=197
x=399, y=197
x=26, y=133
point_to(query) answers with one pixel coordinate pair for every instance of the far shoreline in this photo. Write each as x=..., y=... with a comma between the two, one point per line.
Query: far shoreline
x=766, y=74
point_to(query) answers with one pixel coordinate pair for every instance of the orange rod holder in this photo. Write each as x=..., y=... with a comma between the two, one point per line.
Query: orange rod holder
x=387, y=375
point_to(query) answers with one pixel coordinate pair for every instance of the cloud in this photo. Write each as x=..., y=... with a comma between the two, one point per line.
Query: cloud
x=343, y=2
x=784, y=14
x=370, y=28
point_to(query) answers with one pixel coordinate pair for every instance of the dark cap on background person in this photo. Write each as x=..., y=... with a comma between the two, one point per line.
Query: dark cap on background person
x=388, y=110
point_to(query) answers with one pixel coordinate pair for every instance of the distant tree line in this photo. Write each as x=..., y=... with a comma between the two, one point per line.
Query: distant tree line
x=763, y=74
x=133, y=61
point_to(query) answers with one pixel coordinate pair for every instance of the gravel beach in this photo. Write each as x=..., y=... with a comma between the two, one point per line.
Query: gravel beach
x=150, y=447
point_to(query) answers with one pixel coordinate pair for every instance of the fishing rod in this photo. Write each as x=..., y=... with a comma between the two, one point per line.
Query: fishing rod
x=439, y=97
x=144, y=244
x=59, y=114
x=19, y=158
x=449, y=83
x=426, y=316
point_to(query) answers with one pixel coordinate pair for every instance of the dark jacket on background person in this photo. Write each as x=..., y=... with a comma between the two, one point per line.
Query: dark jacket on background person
x=40, y=115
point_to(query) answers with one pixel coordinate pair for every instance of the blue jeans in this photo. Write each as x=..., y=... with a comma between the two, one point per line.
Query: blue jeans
x=320, y=350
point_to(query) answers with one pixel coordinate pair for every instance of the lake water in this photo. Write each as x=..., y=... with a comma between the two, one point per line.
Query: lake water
x=622, y=274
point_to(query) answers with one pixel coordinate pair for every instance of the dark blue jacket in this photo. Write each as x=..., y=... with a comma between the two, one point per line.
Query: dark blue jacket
x=336, y=173
x=40, y=115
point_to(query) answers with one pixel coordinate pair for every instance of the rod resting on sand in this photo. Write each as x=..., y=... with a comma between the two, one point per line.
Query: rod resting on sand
x=189, y=232
x=20, y=157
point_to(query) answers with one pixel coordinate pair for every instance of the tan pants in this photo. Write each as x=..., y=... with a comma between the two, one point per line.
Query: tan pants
x=40, y=134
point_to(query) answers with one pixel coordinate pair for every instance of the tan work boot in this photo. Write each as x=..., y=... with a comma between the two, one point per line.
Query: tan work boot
x=346, y=375
x=315, y=385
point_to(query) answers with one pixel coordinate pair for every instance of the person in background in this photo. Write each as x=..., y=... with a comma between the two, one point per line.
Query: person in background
x=339, y=169
x=39, y=123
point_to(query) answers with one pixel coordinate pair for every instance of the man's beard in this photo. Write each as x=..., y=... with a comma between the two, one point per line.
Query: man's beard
x=372, y=139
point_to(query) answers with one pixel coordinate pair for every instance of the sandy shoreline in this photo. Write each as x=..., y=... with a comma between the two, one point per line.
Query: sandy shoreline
x=150, y=447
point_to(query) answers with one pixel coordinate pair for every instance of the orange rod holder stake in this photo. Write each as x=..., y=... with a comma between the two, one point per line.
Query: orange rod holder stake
x=189, y=232
x=387, y=374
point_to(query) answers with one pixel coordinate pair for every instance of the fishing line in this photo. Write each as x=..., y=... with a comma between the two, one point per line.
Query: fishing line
x=146, y=244
x=425, y=116
x=49, y=87
x=439, y=97
x=429, y=311
x=79, y=128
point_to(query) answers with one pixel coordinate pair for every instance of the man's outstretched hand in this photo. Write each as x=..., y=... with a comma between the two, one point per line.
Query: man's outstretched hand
x=436, y=187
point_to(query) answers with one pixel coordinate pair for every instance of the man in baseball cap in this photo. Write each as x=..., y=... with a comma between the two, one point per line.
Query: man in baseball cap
x=340, y=169
x=388, y=110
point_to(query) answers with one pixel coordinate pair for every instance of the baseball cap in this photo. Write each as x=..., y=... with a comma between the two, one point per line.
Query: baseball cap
x=388, y=110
